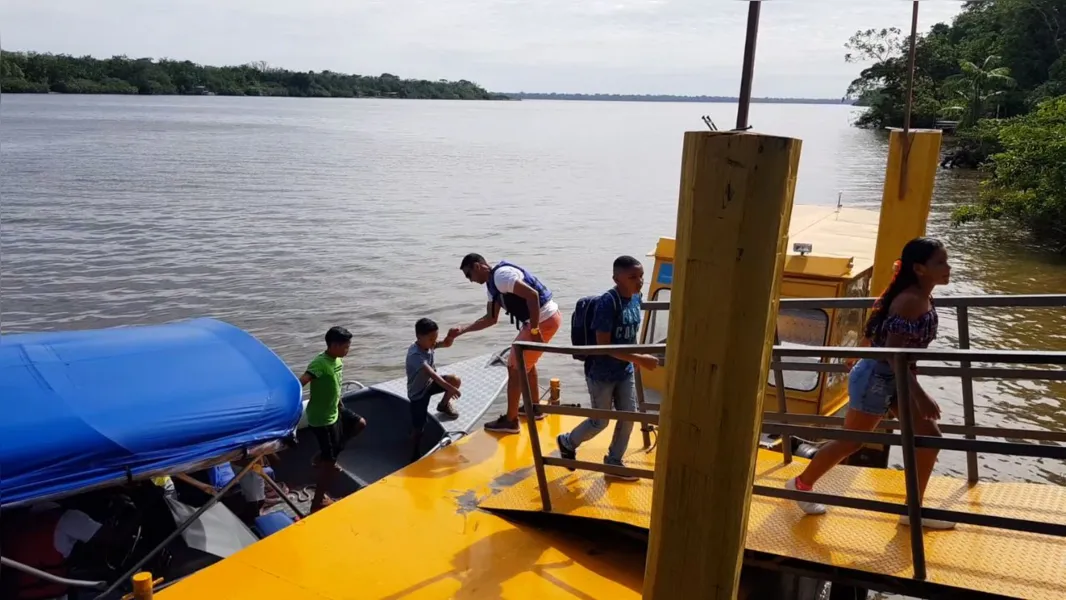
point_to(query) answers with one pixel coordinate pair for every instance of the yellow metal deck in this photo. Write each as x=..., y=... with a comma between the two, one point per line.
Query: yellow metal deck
x=972, y=558
x=418, y=534
x=421, y=534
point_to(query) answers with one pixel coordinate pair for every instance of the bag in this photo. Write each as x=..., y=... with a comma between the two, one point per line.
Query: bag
x=581, y=330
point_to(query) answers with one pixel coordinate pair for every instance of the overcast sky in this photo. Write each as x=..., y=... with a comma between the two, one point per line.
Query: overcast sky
x=609, y=46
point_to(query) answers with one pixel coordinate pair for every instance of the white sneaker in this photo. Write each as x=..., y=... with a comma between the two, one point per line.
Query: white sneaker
x=929, y=523
x=811, y=508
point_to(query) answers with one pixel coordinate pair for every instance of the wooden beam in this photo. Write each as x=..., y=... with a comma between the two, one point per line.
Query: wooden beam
x=905, y=202
x=732, y=228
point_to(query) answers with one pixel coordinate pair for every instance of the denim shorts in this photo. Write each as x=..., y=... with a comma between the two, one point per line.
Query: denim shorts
x=871, y=387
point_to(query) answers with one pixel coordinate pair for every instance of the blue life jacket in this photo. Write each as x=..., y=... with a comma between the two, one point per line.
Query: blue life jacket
x=513, y=304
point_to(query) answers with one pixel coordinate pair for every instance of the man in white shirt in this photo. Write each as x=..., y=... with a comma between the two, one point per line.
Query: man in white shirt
x=529, y=304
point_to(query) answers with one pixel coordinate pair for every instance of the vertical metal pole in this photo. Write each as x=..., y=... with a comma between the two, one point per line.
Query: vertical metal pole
x=910, y=102
x=969, y=420
x=910, y=466
x=782, y=401
x=531, y=426
x=645, y=428
x=748, y=73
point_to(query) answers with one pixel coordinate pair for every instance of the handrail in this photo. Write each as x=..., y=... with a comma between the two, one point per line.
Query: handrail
x=901, y=359
x=76, y=583
x=996, y=301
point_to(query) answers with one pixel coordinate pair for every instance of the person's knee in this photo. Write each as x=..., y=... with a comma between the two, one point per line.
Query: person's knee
x=454, y=380
x=358, y=426
x=598, y=424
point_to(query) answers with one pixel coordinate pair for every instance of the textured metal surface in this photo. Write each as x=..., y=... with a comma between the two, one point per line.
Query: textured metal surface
x=483, y=378
x=970, y=557
x=418, y=534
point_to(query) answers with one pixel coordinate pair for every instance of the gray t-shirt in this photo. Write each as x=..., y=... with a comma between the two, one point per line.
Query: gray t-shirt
x=417, y=378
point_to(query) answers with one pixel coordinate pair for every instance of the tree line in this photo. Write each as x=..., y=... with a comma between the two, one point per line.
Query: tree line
x=32, y=72
x=998, y=69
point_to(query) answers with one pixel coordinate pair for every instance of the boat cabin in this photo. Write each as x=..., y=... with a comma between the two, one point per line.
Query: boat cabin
x=831, y=255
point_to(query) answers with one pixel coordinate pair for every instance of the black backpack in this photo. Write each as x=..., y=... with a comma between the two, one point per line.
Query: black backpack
x=581, y=331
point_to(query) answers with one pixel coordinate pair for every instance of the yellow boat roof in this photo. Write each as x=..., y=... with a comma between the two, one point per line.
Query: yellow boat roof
x=836, y=232
x=843, y=234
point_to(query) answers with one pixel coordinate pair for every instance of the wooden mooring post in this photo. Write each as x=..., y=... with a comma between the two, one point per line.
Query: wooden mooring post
x=732, y=228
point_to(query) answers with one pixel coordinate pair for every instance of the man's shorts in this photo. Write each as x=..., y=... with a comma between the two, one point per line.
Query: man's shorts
x=333, y=438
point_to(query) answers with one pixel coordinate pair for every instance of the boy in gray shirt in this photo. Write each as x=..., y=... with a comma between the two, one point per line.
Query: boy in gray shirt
x=423, y=381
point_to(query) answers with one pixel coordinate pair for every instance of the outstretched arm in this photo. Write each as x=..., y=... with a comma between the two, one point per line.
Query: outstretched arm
x=442, y=382
x=643, y=360
x=492, y=314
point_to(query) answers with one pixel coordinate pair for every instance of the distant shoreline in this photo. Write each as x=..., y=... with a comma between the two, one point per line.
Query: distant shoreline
x=669, y=98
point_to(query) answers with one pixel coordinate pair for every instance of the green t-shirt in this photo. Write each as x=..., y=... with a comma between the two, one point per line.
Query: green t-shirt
x=325, y=390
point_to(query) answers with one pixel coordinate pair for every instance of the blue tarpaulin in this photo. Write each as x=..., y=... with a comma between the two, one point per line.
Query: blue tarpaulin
x=80, y=408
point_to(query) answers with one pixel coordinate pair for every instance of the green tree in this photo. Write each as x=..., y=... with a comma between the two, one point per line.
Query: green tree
x=1027, y=184
x=31, y=72
x=976, y=86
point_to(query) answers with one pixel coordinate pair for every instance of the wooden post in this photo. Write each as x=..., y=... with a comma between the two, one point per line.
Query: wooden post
x=732, y=228
x=908, y=193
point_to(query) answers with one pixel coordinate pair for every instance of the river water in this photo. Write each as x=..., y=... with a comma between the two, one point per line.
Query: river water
x=286, y=216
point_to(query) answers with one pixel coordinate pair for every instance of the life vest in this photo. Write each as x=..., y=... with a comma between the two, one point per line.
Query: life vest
x=513, y=304
x=32, y=543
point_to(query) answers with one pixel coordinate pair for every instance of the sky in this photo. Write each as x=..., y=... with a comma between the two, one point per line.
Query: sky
x=686, y=47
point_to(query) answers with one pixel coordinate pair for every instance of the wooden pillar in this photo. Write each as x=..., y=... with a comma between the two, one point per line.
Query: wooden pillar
x=732, y=228
x=907, y=197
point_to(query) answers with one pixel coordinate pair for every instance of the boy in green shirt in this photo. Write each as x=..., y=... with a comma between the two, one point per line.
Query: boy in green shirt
x=332, y=424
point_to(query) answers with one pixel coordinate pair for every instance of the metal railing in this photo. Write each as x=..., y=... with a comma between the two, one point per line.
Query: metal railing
x=787, y=425
x=965, y=371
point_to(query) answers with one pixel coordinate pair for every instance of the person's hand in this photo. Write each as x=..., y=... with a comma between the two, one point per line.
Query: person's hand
x=537, y=337
x=453, y=333
x=928, y=409
x=453, y=391
x=648, y=362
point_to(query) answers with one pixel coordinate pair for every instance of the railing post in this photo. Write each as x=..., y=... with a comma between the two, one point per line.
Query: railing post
x=732, y=228
x=782, y=401
x=531, y=426
x=910, y=467
x=963, y=317
x=142, y=586
x=645, y=429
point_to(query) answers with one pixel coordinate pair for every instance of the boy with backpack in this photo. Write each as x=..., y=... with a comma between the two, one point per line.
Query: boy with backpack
x=613, y=318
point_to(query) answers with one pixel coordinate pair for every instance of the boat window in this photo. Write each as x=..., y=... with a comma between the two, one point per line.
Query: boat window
x=801, y=327
x=660, y=319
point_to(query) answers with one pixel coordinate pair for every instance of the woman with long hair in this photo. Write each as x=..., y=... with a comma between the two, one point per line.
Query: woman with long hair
x=903, y=317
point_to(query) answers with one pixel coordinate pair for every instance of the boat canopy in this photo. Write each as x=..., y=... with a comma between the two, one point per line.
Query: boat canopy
x=79, y=409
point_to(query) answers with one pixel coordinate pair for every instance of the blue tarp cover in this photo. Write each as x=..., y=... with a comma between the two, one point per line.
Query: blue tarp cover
x=78, y=408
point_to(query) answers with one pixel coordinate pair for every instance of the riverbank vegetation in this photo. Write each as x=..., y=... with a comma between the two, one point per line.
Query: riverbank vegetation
x=999, y=71
x=31, y=72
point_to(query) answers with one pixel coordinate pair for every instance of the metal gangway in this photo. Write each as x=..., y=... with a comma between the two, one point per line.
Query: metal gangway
x=1010, y=536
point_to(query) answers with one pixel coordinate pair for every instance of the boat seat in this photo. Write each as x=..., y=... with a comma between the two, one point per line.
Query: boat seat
x=271, y=523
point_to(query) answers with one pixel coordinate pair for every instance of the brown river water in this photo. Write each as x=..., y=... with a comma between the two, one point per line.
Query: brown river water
x=286, y=216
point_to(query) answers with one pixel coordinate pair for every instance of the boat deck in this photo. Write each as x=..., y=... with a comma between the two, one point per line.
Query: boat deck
x=436, y=529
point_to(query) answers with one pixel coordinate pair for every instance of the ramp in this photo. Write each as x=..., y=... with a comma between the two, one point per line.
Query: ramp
x=971, y=558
